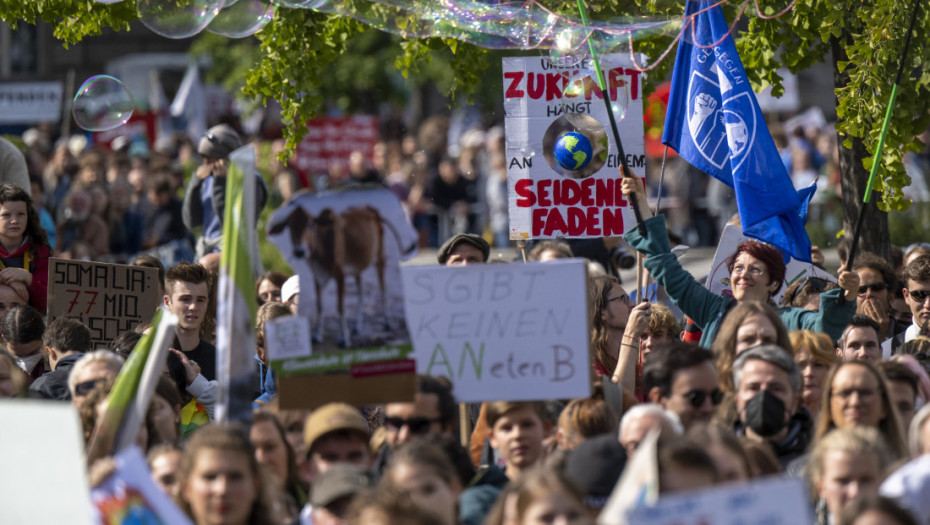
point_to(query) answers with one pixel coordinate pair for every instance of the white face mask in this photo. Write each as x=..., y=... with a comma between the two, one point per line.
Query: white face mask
x=29, y=362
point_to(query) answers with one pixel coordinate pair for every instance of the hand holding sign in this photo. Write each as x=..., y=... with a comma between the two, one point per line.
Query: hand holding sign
x=631, y=188
x=849, y=281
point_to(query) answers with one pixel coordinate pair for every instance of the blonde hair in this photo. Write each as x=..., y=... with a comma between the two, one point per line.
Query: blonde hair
x=267, y=312
x=818, y=344
x=857, y=440
x=889, y=427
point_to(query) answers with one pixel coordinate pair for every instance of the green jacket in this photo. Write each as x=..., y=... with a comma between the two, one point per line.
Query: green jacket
x=708, y=309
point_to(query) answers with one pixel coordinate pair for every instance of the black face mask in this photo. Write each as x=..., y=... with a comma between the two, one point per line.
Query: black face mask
x=765, y=414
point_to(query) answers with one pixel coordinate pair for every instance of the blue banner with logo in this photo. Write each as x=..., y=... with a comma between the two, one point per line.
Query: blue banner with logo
x=715, y=123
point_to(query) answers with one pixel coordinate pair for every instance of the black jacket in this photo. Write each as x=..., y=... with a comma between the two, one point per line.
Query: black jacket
x=54, y=385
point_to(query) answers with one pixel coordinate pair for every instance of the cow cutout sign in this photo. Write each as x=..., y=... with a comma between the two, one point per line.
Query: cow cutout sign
x=346, y=247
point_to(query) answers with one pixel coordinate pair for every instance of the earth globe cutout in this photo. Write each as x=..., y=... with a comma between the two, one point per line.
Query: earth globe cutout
x=573, y=151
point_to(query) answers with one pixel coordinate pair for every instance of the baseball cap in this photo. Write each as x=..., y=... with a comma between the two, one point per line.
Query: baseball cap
x=290, y=288
x=332, y=417
x=340, y=481
x=475, y=240
x=219, y=141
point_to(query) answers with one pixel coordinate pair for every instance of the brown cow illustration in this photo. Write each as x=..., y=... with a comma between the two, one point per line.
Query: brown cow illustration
x=336, y=246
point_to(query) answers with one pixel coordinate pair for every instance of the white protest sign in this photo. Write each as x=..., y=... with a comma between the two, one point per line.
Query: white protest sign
x=30, y=102
x=772, y=501
x=546, y=200
x=718, y=280
x=287, y=337
x=508, y=332
x=43, y=478
x=129, y=495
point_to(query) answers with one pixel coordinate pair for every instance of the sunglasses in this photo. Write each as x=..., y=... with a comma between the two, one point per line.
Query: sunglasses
x=83, y=389
x=697, y=397
x=875, y=287
x=918, y=295
x=416, y=425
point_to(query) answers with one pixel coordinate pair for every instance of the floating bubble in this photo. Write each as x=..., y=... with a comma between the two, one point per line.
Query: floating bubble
x=102, y=103
x=569, y=47
x=169, y=19
x=242, y=19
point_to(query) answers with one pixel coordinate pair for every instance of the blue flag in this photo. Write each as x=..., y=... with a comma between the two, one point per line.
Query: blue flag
x=715, y=123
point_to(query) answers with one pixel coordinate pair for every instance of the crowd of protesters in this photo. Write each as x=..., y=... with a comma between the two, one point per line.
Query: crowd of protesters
x=830, y=387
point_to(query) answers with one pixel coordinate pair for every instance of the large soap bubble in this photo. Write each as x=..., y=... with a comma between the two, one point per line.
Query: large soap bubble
x=169, y=19
x=102, y=103
x=242, y=19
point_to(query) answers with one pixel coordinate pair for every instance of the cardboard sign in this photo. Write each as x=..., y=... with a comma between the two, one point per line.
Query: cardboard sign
x=502, y=332
x=37, y=463
x=546, y=200
x=773, y=501
x=718, y=280
x=130, y=495
x=360, y=234
x=109, y=298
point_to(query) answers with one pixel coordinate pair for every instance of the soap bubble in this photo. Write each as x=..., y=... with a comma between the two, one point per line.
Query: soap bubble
x=171, y=20
x=569, y=47
x=102, y=103
x=242, y=19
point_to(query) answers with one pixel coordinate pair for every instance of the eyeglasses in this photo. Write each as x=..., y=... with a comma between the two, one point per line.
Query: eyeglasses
x=416, y=425
x=83, y=389
x=880, y=286
x=697, y=397
x=816, y=284
x=864, y=393
x=918, y=295
x=625, y=298
x=752, y=270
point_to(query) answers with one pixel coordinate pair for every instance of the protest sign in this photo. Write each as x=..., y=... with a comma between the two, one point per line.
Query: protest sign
x=287, y=338
x=44, y=480
x=346, y=247
x=502, y=332
x=546, y=200
x=331, y=140
x=773, y=501
x=109, y=298
x=129, y=495
x=30, y=102
x=718, y=280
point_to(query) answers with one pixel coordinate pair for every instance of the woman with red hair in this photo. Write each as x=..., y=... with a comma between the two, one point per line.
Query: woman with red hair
x=756, y=272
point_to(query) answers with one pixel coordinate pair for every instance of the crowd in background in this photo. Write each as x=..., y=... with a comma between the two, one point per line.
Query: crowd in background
x=829, y=387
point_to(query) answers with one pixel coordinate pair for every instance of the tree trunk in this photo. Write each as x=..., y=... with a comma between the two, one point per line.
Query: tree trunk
x=853, y=181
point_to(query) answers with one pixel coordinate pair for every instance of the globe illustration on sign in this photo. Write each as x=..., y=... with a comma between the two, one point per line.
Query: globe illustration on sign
x=573, y=151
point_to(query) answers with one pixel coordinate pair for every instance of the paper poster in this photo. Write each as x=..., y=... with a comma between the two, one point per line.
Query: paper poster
x=109, y=298
x=502, y=332
x=541, y=103
x=346, y=247
x=129, y=496
x=772, y=501
x=287, y=338
x=43, y=456
x=718, y=280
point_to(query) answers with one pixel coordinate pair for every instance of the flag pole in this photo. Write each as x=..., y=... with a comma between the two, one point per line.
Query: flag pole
x=602, y=84
x=853, y=247
x=661, y=178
